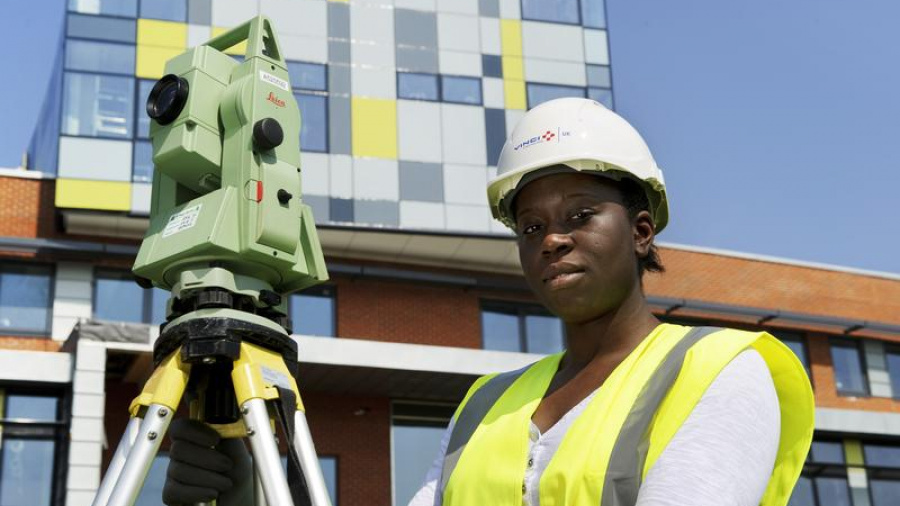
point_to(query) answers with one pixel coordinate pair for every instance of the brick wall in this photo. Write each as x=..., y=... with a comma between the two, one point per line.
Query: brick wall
x=21, y=212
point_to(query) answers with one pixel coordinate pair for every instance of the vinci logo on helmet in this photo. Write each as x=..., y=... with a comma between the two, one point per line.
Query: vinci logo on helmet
x=546, y=136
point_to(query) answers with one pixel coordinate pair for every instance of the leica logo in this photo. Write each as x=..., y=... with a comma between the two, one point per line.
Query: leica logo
x=275, y=100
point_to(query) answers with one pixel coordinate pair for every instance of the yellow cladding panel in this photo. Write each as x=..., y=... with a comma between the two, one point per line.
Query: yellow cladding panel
x=513, y=68
x=84, y=194
x=514, y=94
x=240, y=49
x=511, y=37
x=151, y=32
x=151, y=60
x=374, y=123
x=853, y=452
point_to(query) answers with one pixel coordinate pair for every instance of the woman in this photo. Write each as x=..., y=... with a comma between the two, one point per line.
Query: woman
x=634, y=411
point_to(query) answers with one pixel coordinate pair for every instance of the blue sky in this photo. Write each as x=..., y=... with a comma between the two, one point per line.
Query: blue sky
x=777, y=123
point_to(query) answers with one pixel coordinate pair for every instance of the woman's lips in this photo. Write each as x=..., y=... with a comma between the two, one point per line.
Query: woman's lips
x=563, y=280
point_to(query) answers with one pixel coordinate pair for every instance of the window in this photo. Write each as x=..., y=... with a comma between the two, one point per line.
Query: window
x=118, y=298
x=126, y=8
x=25, y=299
x=892, y=356
x=310, y=82
x=31, y=433
x=823, y=481
x=169, y=10
x=143, y=120
x=143, y=162
x=313, y=312
x=417, y=86
x=601, y=95
x=329, y=467
x=313, y=121
x=103, y=57
x=593, y=14
x=540, y=93
x=797, y=344
x=556, y=11
x=97, y=106
x=520, y=328
x=883, y=469
x=849, y=370
x=416, y=431
x=461, y=90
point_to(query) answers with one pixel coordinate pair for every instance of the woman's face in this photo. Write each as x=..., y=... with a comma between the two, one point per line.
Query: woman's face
x=577, y=244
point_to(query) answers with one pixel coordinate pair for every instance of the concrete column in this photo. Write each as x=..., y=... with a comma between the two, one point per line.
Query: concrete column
x=856, y=473
x=87, y=433
x=72, y=295
x=876, y=365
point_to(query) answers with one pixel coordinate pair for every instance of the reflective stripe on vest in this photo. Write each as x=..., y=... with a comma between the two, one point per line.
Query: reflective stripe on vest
x=609, y=448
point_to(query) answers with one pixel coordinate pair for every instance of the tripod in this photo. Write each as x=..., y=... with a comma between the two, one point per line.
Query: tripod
x=222, y=363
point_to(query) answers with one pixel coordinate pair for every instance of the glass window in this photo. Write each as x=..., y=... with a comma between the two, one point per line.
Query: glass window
x=417, y=86
x=802, y=494
x=557, y=11
x=462, y=90
x=31, y=407
x=143, y=162
x=151, y=493
x=892, y=356
x=169, y=10
x=882, y=455
x=26, y=471
x=313, y=312
x=884, y=492
x=593, y=14
x=24, y=298
x=329, y=472
x=313, y=122
x=127, y=8
x=143, y=121
x=28, y=448
x=307, y=76
x=98, y=106
x=827, y=452
x=99, y=57
x=601, y=95
x=797, y=344
x=520, y=328
x=849, y=372
x=500, y=331
x=540, y=93
x=118, y=298
x=416, y=431
x=833, y=491
x=544, y=334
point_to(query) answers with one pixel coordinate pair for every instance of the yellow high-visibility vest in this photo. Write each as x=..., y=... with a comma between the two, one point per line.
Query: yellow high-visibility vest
x=610, y=447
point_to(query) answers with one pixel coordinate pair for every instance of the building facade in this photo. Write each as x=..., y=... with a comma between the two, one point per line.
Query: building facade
x=405, y=105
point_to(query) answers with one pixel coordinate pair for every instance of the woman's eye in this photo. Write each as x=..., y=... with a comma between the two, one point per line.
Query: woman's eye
x=583, y=214
x=529, y=229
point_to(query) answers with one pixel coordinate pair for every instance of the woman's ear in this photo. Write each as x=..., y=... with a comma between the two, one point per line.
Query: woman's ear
x=644, y=231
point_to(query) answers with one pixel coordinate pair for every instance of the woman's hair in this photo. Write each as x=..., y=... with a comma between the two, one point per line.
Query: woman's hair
x=635, y=200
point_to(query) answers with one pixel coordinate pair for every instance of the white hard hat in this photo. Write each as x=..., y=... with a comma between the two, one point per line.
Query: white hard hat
x=580, y=134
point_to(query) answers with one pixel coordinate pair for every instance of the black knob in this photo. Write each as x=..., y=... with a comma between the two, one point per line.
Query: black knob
x=143, y=282
x=267, y=133
x=284, y=196
x=269, y=298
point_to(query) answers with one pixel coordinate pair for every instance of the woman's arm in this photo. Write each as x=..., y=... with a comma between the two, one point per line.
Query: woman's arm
x=430, y=494
x=725, y=451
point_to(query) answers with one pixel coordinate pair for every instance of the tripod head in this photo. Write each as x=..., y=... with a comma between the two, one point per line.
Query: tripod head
x=228, y=227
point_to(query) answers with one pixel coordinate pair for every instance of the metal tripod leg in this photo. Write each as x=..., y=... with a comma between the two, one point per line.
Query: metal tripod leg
x=140, y=457
x=265, y=452
x=118, y=462
x=309, y=461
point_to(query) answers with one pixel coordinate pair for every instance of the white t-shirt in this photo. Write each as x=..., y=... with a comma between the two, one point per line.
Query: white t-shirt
x=723, y=454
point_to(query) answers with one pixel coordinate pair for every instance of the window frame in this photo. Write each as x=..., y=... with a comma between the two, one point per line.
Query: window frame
x=134, y=97
x=437, y=86
x=578, y=12
x=857, y=345
x=442, y=97
x=894, y=349
x=51, y=295
x=798, y=337
x=521, y=310
x=324, y=93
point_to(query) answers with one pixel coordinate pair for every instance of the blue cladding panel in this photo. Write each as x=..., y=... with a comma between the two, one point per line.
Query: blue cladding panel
x=540, y=93
x=143, y=162
x=96, y=27
x=313, y=122
x=169, y=10
x=491, y=65
x=495, y=133
x=125, y=8
x=592, y=14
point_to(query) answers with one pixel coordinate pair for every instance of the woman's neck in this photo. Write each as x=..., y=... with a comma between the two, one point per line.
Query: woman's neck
x=610, y=337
